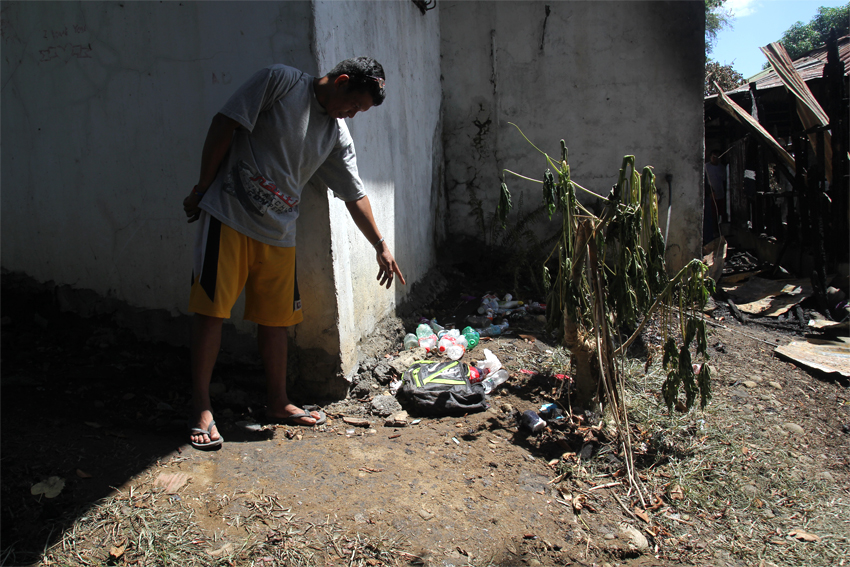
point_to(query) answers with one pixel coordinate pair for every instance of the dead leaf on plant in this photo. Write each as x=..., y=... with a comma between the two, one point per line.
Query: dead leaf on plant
x=50, y=487
x=804, y=536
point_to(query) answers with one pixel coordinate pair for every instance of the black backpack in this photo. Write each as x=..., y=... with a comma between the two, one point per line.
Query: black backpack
x=441, y=388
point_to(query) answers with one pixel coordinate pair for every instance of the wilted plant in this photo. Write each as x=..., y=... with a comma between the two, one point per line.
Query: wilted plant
x=611, y=276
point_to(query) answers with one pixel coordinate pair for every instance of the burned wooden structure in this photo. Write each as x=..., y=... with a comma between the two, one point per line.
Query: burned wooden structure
x=784, y=139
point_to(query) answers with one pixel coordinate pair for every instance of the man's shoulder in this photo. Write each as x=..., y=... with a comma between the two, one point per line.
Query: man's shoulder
x=282, y=69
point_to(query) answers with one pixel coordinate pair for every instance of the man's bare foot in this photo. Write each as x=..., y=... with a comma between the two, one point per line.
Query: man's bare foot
x=293, y=415
x=199, y=436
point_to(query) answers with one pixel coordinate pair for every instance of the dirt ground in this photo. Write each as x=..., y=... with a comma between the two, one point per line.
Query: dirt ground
x=761, y=477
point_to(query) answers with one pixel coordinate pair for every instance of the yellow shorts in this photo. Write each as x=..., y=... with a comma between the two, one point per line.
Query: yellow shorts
x=225, y=261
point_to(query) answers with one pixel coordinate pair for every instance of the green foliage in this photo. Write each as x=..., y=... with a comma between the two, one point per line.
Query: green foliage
x=724, y=75
x=716, y=18
x=690, y=293
x=631, y=275
x=801, y=38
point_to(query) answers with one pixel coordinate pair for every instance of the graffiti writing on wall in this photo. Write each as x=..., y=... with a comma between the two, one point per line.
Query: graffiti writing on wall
x=68, y=50
x=65, y=52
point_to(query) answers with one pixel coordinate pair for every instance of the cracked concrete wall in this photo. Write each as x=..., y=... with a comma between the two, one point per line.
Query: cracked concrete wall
x=611, y=78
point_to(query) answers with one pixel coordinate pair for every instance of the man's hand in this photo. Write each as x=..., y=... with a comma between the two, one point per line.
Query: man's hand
x=190, y=206
x=361, y=213
x=388, y=268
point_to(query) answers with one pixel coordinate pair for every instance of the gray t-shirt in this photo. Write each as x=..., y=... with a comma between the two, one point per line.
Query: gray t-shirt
x=286, y=138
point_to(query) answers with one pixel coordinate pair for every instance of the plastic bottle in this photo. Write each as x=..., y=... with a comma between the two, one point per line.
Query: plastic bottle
x=436, y=327
x=410, y=341
x=488, y=302
x=428, y=342
x=532, y=421
x=535, y=307
x=494, y=380
x=475, y=375
x=493, y=330
x=472, y=337
x=453, y=344
x=423, y=330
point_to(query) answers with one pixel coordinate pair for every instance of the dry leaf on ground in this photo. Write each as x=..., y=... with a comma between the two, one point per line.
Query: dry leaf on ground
x=50, y=487
x=804, y=536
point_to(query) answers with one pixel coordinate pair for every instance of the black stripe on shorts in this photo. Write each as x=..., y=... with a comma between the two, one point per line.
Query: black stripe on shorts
x=209, y=271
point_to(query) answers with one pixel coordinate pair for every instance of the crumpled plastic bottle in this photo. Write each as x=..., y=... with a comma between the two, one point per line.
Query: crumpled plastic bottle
x=453, y=344
x=494, y=380
x=411, y=341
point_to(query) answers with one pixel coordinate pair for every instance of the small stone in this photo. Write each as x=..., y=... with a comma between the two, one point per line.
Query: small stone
x=425, y=515
x=609, y=536
x=534, y=562
x=806, y=460
x=750, y=490
x=794, y=428
x=633, y=537
x=398, y=419
x=775, y=385
x=507, y=408
x=825, y=475
x=750, y=384
x=356, y=421
x=769, y=514
x=385, y=405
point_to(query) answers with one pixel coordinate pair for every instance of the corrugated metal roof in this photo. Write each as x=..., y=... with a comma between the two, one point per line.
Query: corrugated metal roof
x=809, y=66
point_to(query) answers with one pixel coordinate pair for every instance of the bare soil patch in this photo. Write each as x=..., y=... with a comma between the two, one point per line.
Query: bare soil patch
x=761, y=477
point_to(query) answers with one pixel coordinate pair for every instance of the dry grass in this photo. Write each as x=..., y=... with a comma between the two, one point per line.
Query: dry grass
x=146, y=527
x=734, y=483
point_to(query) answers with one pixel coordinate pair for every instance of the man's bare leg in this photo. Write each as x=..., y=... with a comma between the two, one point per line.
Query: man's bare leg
x=273, y=343
x=206, y=342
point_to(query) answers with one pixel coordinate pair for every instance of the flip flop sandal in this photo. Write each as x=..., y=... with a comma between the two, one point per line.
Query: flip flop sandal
x=213, y=442
x=293, y=419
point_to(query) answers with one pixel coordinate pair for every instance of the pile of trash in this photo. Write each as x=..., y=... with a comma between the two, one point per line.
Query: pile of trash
x=436, y=387
x=491, y=321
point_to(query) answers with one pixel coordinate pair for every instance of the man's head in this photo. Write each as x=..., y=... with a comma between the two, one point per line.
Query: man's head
x=364, y=75
x=714, y=157
x=353, y=86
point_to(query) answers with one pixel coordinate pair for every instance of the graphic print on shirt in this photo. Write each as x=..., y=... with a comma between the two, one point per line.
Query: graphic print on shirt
x=256, y=193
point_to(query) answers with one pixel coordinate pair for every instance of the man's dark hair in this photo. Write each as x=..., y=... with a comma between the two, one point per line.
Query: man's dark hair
x=365, y=75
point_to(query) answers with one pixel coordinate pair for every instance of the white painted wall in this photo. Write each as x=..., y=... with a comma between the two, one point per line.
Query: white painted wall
x=611, y=78
x=398, y=154
x=105, y=106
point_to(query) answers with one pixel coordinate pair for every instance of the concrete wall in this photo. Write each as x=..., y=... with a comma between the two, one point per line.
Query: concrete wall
x=398, y=154
x=611, y=78
x=105, y=106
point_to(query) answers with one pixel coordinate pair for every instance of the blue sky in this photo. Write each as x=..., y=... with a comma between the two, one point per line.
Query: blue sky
x=756, y=23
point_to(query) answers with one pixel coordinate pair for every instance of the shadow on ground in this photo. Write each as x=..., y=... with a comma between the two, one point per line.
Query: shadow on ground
x=81, y=401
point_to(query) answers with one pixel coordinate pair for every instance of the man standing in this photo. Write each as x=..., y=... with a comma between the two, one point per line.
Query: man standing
x=281, y=128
